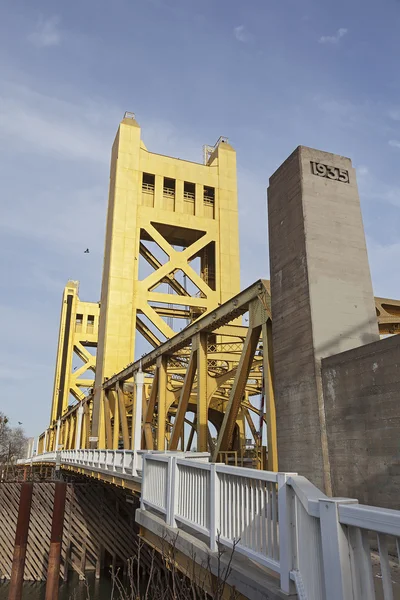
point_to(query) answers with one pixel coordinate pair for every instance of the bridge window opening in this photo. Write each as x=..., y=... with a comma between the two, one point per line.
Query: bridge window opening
x=209, y=202
x=90, y=347
x=179, y=238
x=169, y=193
x=148, y=187
x=189, y=197
x=207, y=265
x=78, y=323
x=90, y=324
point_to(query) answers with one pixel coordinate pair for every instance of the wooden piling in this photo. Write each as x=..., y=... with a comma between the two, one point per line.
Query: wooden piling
x=21, y=539
x=53, y=571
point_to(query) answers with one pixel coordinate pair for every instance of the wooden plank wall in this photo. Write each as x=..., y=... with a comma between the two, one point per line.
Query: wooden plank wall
x=98, y=518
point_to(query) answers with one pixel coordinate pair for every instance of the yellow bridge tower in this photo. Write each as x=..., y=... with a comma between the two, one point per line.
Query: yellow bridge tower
x=181, y=219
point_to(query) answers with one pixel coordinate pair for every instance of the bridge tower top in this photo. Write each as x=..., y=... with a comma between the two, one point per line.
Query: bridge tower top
x=171, y=248
x=77, y=334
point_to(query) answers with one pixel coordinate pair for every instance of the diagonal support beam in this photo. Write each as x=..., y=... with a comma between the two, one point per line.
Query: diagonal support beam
x=148, y=434
x=202, y=396
x=107, y=420
x=191, y=434
x=228, y=425
x=183, y=401
x=156, y=264
x=147, y=333
x=122, y=417
x=162, y=363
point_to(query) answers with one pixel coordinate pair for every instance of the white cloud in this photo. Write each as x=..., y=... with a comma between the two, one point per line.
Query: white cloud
x=394, y=143
x=34, y=122
x=333, y=39
x=362, y=170
x=241, y=34
x=394, y=113
x=47, y=33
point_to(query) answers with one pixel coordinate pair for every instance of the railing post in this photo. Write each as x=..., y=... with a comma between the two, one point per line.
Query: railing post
x=214, y=507
x=335, y=550
x=57, y=434
x=143, y=485
x=79, y=428
x=137, y=430
x=286, y=516
x=134, y=459
x=172, y=488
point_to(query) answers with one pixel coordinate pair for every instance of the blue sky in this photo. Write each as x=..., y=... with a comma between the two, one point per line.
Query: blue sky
x=269, y=74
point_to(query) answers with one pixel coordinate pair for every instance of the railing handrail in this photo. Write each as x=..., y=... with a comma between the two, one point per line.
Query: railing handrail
x=186, y=462
x=308, y=494
x=247, y=473
x=381, y=520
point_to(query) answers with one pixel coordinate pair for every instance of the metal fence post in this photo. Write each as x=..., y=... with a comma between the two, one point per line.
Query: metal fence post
x=335, y=550
x=172, y=489
x=214, y=507
x=286, y=518
x=143, y=485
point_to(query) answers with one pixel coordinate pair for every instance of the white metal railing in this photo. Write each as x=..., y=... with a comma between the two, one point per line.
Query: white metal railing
x=123, y=462
x=249, y=512
x=319, y=546
x=368, y=526
x=224, y=503
x=45, y=457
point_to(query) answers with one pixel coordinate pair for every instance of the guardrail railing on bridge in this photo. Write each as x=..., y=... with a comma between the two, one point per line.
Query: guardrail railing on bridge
x=319, y=546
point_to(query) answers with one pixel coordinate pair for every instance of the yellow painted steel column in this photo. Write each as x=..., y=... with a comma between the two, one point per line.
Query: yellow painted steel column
x=116, y=420
x=123, y=418
x=107, y=420
x=184, y=398
x=202, y=396
x=162, y=362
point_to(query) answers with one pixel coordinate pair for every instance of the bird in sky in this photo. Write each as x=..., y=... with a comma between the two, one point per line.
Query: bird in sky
x=19, y=423
x=86, y=251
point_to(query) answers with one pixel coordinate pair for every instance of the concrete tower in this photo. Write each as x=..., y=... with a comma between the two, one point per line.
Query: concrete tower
x=322, y=299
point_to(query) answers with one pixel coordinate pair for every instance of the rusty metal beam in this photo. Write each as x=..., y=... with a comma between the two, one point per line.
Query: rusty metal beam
x=53, y=570
x=21, y=541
